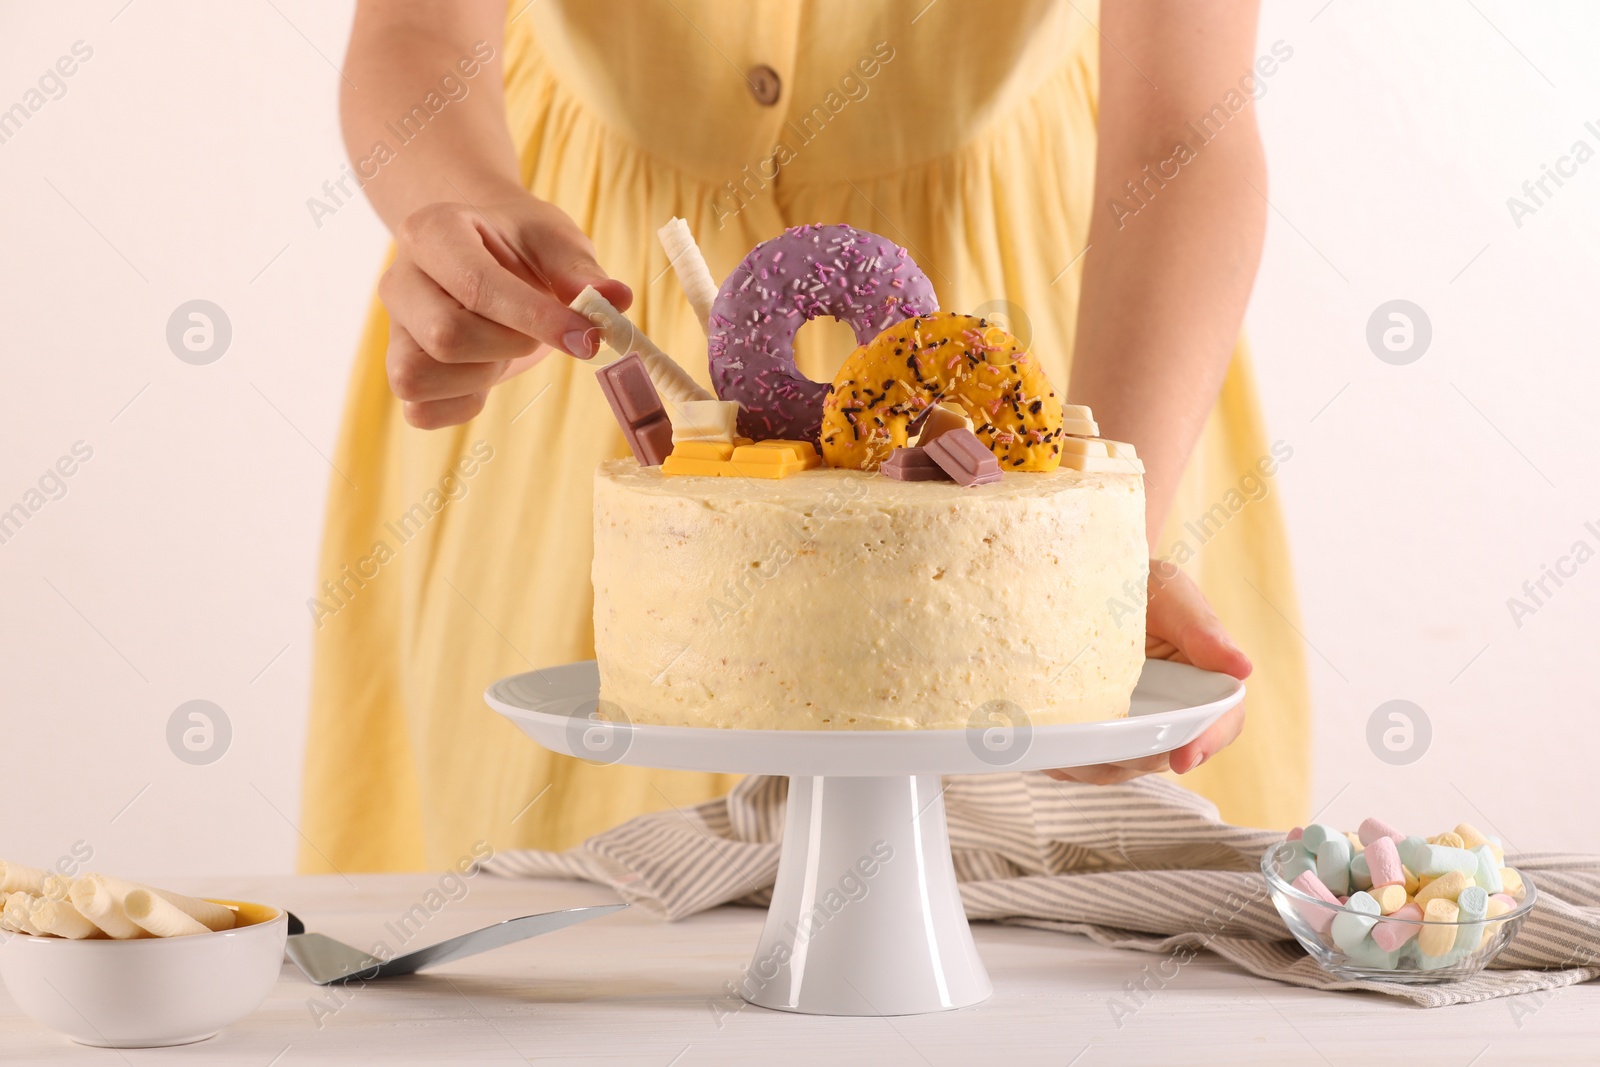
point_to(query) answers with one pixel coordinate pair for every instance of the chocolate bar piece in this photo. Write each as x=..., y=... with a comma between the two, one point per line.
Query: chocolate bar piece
x=638, y=408
x=964, y=457
x=913, y=465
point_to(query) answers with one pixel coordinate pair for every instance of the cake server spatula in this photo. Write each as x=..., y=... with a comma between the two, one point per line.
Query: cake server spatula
x=324, y=960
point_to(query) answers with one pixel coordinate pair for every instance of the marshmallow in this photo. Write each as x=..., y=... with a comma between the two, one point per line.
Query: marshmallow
x=1470, y=837
x=1448, y=839
x=1510, y=881
x=1474, y=907
x=1402, y=926
x=1382, y=861
x=1295, y=834
x=1488, y=873
x=1318, y=918
x=1294, y=859
x=1351, y=926
x=1316, y=833
x=1443, y=859
x=1360, y=872
x=1445, y=887
x=1333, y=864
x=1390, y=898
x=1438, y=940
x=1372, y=829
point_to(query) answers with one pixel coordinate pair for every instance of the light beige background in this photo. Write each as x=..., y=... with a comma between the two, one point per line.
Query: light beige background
x=178, y=163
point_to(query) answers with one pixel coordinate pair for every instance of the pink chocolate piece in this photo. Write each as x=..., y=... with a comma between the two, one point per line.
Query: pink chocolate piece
x=1372, y=829
x=638, y=408
x=964, y=457
x=1296, y=834
x=1389, y=934
x=1383, y=862
x=1319, y=919
x=913, y=465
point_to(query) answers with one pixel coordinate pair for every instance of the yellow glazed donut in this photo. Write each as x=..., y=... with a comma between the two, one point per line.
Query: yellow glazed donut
x=942, y=358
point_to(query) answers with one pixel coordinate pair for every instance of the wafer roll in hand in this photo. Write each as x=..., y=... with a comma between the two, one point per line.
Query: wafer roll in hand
x=159, y=916
x=690, y=267
x=60, y=918
x=623, y=337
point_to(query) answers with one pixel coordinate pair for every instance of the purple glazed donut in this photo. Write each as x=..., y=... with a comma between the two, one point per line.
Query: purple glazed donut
x=857, y=277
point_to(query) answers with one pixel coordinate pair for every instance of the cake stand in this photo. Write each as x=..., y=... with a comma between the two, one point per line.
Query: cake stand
x=866, y=917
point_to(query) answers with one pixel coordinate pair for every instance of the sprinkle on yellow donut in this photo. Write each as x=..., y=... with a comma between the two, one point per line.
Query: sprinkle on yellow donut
x=946, y=357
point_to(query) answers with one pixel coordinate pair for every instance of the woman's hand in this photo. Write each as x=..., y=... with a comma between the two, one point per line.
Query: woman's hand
x=1180, y=626
x=478, y=293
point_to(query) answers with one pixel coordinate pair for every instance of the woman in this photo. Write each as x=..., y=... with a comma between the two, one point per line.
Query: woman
x=457, y=547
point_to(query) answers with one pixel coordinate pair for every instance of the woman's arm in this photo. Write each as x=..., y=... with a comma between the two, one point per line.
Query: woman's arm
x=483, y=272
x=1171, y=261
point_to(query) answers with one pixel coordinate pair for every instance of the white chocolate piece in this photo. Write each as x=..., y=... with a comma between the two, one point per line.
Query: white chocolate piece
x=705, y=420
x=1077, y=411
x=159, y=916
x=61, y=919
x=96, y=901
x=1080, y=427
x=18, y=913
x=941, y=420
x=623, y=337
x=17, y=878
x=1123, y=450
x=690, y=267
x=1084, y=446
x=1101, y=464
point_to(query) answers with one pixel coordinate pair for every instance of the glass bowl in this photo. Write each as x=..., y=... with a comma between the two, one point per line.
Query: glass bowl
x=1464, y=950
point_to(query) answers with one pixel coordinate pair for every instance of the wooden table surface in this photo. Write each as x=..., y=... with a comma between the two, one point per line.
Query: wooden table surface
x=629, y=989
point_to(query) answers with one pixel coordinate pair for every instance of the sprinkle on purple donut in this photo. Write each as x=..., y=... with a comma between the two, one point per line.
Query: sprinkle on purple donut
x=857, y=277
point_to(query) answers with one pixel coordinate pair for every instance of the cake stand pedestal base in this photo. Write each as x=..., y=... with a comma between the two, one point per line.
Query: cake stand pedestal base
x=866, y=918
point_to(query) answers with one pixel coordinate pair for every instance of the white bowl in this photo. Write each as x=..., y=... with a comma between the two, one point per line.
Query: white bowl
x=150, y=992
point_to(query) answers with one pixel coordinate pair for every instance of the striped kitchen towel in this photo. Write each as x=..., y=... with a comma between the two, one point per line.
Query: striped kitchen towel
x=1146, y=865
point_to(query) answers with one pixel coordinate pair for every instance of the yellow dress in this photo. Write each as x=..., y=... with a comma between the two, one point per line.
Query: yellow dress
x=457, y=556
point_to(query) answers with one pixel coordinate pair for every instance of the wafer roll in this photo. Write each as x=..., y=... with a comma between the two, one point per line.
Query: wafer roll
x=60, y=918
x=159, y=916
x=690, y=267
x=212, y=916
x=623, y=337
x=18, y=913
x=96, y=901
x=56, y=887
x=17, y=878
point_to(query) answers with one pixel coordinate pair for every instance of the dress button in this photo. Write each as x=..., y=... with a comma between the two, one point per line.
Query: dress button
x=765, y=85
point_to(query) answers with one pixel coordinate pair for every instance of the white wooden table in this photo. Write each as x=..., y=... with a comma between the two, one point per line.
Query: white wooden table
x=628, y=989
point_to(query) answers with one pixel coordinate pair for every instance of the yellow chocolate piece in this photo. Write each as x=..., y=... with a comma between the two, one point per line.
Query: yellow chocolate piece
x=934, y=359
x=707, y=459
x=773, y=459
x=1436, y=939
x=1390, y=898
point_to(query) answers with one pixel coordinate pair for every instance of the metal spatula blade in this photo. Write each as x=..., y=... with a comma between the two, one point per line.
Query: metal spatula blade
x=324, y=960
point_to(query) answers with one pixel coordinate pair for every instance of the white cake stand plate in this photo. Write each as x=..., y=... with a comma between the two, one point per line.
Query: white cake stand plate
x=866, y=917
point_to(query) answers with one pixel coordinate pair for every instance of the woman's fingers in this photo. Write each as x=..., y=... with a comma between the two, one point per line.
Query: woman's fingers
x=1180, y=623
x=451, y=244
x=440, y=326
x=1218, y=736
x=432, y=414
x=563, y=257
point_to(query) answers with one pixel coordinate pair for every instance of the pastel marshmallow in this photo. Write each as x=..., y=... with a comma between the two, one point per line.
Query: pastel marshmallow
x=1488, y=873
x=1445, y=887
x=1295, y=834
x=1333, y=864
x=1443, y=859
x=1448, y=839
x=1316, y=833
x=1318, y=918
x=1294, y=859
x=1401, y=927
x=1351, y=926
x=1372, y=829
x=1360, y=874
x=1470, y=837
x=1438, y=934
x=1390, y=898
x=1383, y=862
x=1473, y=904
x=1510, y=881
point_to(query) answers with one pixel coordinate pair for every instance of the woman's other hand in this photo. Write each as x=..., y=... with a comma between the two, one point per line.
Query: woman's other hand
x=1180, y=626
